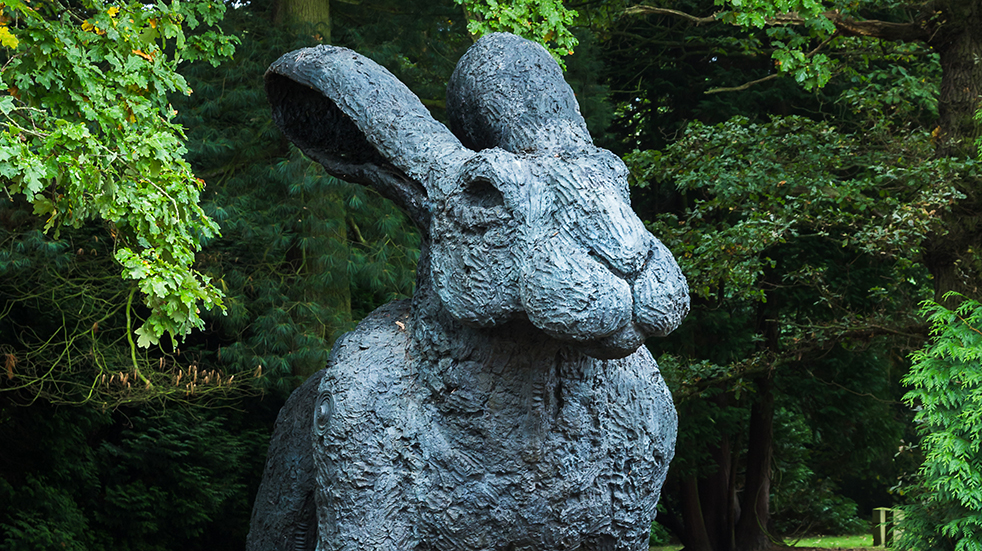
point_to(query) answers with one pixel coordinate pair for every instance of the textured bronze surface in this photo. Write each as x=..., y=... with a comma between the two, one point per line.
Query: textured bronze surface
x=510, y=405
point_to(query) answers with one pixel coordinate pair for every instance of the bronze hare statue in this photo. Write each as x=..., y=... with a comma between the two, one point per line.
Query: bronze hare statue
x=510, y=405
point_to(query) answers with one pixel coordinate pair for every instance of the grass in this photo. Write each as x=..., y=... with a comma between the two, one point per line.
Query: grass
x=837, y=542
x=859, y=541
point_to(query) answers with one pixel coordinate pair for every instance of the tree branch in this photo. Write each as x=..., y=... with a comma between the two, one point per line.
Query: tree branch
x=917, y=331
x=775, y=75
x=641, y=9
x=743, y=86
x=917, y=30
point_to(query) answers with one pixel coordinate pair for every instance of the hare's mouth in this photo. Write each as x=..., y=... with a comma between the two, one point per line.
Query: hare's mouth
x=621, y=344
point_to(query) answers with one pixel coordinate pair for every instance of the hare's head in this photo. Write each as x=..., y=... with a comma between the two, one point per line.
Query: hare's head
x=524, y=216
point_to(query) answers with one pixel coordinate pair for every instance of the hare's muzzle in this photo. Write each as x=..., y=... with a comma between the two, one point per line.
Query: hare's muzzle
x=579, y=294
x=595, y=275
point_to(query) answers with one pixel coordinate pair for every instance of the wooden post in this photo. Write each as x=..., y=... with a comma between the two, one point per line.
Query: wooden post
x=880, y=516
x=885, y=522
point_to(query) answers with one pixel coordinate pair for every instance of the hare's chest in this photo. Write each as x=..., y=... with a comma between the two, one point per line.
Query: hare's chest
x=555, y=461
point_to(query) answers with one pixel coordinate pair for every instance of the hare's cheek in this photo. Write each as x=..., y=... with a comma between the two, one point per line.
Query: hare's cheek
x=570, y=295
x=661, y=294
x=475, y=279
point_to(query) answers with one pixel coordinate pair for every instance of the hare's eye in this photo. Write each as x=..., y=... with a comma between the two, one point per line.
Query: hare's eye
x=480, y=206
x=481, y=193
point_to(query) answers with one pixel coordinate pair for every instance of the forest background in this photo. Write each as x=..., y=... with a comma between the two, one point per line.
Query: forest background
x=812, y=165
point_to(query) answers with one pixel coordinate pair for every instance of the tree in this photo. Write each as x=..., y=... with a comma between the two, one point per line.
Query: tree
x=732, y=207
x=112, y=473
x=790, y=273
x=133, y=479
x=946, y=385
x=951, y=28
x=314, y=14
x=950, y=250
x=95, y=178
x=546, y=22
x=88, y=132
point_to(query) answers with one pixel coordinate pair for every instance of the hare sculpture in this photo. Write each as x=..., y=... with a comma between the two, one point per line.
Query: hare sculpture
x=510, y=405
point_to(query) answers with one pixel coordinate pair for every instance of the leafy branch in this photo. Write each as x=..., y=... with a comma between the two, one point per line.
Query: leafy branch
x=811, y=70
x=88, y=132
x=546, y=22
x=947, y=388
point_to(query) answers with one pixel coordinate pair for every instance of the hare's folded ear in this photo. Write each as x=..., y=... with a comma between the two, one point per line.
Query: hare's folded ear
x=509, y=92
x=364, y=125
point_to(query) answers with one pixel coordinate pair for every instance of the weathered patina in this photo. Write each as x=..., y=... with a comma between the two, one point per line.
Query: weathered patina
x=510, y=405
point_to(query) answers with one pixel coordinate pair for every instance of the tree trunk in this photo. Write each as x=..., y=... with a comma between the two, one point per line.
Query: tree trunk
x=752, y=533
x=751, y=530
x=716, y=496
x=950, y=257
x=316, y=13
x=694, y=537
x=959, y=44
x=326, y=231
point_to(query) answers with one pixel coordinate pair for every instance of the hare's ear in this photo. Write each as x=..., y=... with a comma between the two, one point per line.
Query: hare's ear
x=509, y=92
x=359, y=121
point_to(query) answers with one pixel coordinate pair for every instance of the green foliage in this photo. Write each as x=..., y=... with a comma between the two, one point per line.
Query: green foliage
x=88, y=132
x=892, y=85
x=801, y=38
x=752, y=187
x=302, y=255
x=659, y=535
x=663, y=67
x=76, y=478
x=547, y=22
x=66, y=319
x=947, y=390
x=810, y=226
x=793, y=48
x=796, y=239
x=803, y=501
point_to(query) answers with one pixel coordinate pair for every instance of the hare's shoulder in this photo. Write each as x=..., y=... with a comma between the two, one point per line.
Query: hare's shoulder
x=376, y=347
x=368, y=374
